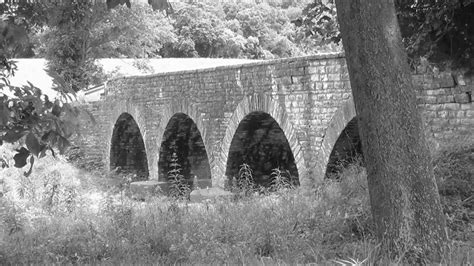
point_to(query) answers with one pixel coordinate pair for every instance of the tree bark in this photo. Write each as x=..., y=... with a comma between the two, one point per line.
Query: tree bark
x=403, y=192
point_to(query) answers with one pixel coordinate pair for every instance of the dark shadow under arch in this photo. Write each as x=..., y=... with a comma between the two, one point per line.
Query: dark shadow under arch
x=181, y=136
x=127, y=150
x=261, y=143
x=346, y=150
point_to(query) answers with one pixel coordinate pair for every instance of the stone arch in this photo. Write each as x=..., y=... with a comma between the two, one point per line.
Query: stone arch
x=260, y=142
x=127, y=149
x=118, y=108
x=346, y=150
x=186, y=108
x=340, y=120
x=257, y=103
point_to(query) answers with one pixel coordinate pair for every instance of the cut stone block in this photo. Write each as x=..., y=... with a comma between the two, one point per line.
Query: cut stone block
x=201, y=195
x=144, y=189
x=462, y=89
x=462, y=98
x=203, y=183
x=446, y=80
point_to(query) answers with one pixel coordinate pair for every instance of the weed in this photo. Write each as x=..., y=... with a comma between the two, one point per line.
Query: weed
x=178, y=187
x=281, y=180
x=244, y=185
x=246, y=176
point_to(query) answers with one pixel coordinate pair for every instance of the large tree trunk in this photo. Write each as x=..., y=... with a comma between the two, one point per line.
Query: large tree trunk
x=403, y=193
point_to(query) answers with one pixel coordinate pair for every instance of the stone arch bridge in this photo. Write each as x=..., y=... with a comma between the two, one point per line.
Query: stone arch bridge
x=306, y=99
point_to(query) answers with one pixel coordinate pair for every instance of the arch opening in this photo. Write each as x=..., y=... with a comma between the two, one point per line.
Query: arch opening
x=127, y=151
x=182, y=141
x=346, y=150
x=260, y=143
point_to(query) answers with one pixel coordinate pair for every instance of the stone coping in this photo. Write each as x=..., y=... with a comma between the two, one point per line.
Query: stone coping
x=287, y=60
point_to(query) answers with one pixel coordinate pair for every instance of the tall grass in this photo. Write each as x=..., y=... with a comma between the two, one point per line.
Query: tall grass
x=286, y=228
x=105, y=227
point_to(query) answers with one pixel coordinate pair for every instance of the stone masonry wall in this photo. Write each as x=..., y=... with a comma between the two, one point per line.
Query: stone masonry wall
x=309, y=97
x=91, y=135
x=446, y=103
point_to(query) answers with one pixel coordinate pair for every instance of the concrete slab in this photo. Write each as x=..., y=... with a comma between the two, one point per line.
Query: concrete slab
x=144, y=189
x=201, y=195
x=203, y=183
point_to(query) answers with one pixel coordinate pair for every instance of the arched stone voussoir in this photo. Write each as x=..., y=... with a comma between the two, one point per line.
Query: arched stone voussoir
x=137, y=112
x=257, y=103
x=184, y=106
x=344, y=114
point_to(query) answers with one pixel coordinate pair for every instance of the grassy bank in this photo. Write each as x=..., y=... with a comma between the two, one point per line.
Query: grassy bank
x=65, y=215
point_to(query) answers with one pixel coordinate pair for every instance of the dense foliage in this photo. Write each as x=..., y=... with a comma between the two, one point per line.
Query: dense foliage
x=29, y=117
x=222, y=30
x=440, y=31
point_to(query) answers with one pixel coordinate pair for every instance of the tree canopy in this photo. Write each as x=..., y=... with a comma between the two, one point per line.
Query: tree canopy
x=440, y=31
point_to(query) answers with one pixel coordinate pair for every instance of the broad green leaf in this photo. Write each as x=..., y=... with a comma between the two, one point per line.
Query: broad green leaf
x=113, y=3
x=50, y=138
x=32, y=144
x=13, y=135
x=20, y=157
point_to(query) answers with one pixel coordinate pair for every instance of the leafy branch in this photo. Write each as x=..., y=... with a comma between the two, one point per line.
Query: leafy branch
x=29, y=117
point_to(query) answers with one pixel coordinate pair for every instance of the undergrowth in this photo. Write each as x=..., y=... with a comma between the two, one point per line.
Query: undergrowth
x=333, y=225
x=454, y=172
